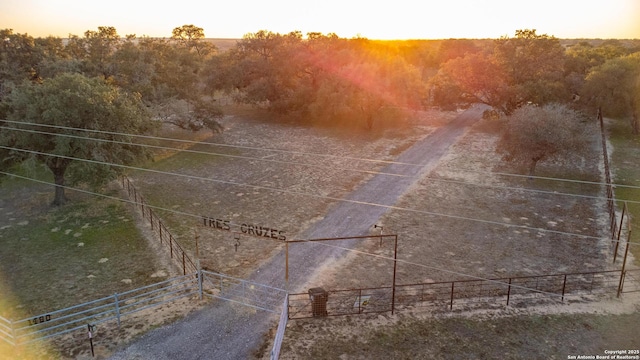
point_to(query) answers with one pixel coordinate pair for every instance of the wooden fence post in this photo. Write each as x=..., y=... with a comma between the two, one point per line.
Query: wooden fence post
x=451, y=305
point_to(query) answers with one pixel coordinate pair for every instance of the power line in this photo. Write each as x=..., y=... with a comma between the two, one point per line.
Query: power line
x=193, y=177
x=203, y=152
x=307, y=153
x=340, y=168
x=308, y=241
x=149, y=137
x=548, y=178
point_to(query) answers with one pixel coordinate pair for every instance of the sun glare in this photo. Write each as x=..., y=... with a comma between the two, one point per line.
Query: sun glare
x=401, y=19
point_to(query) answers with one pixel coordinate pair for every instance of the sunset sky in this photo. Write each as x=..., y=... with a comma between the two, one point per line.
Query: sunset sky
x=399, y=19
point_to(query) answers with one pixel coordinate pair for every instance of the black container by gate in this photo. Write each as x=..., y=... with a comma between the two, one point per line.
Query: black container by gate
x=318, y=298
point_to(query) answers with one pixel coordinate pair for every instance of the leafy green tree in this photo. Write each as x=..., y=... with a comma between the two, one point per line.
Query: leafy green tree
x=53, y=58
x=456, y=48
x=18, y=62
x=584, y=57
x=528, y=68
x=192, y=37
x=614, y=87
x=324, y=79
x=473, y=78
x=100, y=46
x=135, y=67
x=265, y=68
x=538, y=133
x=73, y=100
x=534, y=67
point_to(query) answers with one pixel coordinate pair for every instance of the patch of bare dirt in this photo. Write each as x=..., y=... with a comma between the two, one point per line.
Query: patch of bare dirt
x=239, y=196
x=448, y=229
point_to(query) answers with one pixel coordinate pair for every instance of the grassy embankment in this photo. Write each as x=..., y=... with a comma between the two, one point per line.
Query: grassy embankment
x=56, y=257
x=626, y=172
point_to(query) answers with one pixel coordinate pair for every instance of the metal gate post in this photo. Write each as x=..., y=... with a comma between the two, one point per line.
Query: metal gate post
x=115, y=296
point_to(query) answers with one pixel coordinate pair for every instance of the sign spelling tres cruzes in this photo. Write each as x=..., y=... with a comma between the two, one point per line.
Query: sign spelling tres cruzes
x=248, y=229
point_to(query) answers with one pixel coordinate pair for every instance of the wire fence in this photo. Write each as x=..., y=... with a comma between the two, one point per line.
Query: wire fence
x=515, y=291
x=164, y=236
x=611, y=206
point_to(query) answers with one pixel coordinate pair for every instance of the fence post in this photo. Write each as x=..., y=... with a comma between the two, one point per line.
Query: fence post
x=624, y=261
x=564, y=286
x=151, y=217
x=171, y=245
x=451, y=305
x=200, y=282
x=184, y=269
x=508, y=291
x=359, y=301
x=615, y=252
x=13, y=333
x=115, y=297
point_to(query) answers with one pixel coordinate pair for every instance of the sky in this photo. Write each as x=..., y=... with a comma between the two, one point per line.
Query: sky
x=373, y=19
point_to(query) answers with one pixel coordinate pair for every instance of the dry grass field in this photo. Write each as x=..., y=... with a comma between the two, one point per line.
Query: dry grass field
x=461, y=219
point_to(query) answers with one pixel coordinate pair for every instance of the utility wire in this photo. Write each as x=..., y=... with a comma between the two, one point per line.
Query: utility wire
x=306, y=241
x=334, y=168
x=204, y=152
x=307, y=153
x=149, y=137
x=299, y=193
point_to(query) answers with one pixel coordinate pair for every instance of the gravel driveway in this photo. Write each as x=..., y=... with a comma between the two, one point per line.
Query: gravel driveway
x=226, y=330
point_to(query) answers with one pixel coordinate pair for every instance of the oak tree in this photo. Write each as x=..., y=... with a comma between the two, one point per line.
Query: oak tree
x=614, y=87
x=63, y=104
x=538, y=133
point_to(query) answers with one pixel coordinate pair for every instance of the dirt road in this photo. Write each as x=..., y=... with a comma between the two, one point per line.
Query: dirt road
x=229, y=331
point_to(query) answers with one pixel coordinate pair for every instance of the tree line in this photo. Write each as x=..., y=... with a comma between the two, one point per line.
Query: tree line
x=104, y=81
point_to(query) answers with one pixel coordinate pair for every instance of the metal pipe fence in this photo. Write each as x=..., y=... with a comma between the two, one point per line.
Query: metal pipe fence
x=521, y=290
x=119, y=305
x=241, y=291
x=110, y=308
x=282, y=326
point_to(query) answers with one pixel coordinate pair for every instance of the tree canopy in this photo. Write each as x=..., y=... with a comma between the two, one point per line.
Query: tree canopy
x=614, y=87
x=525, y=69
x=74, y=101
x=320, y=78
x=323, y=78
x=538, y=133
